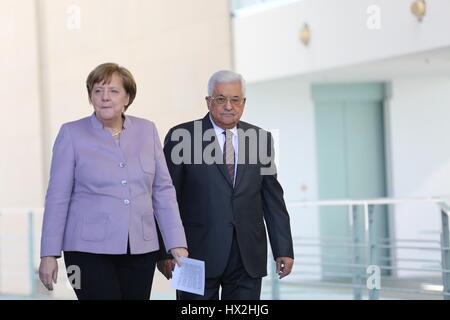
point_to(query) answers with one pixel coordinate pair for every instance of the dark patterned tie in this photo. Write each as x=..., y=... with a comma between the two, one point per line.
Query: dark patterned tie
x=228, y=153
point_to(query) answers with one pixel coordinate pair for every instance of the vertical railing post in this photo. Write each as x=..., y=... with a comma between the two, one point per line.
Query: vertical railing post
x=356, y=259
x=31, y=266
x=275, y=287
x=445, y=244
x=372, y=240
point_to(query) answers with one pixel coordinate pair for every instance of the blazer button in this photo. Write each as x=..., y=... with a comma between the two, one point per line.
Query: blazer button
x=122, y=165
x=124, y=182
x=126, y=202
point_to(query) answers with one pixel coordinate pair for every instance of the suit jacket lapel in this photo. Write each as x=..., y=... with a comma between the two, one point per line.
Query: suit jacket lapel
x=206, y=124
x=241, y=156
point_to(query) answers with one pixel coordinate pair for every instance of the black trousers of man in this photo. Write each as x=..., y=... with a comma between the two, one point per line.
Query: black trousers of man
x=112, y=277
x=235, y=282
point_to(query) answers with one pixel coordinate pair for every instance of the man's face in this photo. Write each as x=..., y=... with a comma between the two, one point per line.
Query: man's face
x=226, y=104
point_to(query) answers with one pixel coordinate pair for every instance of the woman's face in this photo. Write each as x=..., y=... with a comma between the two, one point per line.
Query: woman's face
x=109, y=99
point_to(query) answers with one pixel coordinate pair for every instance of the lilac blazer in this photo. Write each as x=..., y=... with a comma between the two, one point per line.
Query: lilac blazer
x=101, y=193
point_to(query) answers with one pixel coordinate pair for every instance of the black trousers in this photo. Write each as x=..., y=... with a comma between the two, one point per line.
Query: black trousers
x=235, y=282
x=111, y=277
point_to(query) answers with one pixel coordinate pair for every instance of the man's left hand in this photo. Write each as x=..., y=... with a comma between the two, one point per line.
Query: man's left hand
x=284, y=266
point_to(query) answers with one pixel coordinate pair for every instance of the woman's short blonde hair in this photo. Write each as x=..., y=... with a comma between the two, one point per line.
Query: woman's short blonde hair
x=103, y=74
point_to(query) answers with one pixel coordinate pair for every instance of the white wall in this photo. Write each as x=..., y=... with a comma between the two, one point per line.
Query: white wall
x=267, y=43
x=420, y=156
x=21, y=155
x=286, y=106
x=171, y=47
x=410, y=56
x=420, y=113
x=21, y=167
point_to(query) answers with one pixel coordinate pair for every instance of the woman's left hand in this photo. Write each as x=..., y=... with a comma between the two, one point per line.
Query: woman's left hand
x=177, y=253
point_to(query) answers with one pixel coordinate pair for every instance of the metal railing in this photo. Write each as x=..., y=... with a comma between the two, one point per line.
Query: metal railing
x=347, y=274
x=362, y=270
x=238, y=6
x=18, y=255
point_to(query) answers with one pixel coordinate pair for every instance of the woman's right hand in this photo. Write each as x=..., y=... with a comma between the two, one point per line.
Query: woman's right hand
x=177, y=253
x=48, y=271
x=166, y=266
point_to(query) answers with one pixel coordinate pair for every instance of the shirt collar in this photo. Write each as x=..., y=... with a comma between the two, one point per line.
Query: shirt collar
x=98, y=125
x=219, y=130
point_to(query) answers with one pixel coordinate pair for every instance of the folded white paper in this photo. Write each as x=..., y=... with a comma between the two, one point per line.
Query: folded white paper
x=190, y=277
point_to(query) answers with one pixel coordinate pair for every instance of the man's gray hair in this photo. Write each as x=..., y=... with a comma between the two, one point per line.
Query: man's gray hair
x=225, y=76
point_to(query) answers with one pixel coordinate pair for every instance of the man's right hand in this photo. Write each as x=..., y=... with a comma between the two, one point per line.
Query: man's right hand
x=48, y=271
x=166, y=267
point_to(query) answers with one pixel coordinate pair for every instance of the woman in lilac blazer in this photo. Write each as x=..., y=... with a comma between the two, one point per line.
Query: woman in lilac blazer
x=108, y=182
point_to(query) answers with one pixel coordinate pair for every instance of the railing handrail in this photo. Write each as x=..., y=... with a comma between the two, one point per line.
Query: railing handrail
x=24, y=210
x=261, y=6
x=443, y=200
x=369, y=241
x=379, y=201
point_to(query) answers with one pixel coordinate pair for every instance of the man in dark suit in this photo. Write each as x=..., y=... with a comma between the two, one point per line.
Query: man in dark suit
x=225, y=179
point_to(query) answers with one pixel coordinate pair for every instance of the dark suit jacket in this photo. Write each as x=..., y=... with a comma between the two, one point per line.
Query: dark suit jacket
x=211, y=208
